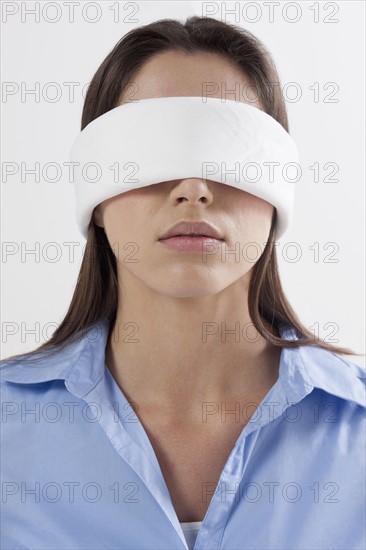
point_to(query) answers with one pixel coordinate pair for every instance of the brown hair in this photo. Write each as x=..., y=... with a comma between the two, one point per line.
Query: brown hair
x=96, y=292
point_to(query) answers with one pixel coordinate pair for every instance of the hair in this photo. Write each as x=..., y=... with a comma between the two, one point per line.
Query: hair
x=96, y=291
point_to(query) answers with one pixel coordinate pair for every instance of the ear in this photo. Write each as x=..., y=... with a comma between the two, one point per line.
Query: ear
x=97, y=217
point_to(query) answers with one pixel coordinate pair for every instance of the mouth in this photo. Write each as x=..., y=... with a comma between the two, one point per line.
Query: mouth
x=191, y=236
x=192, y=243
x=188, y=229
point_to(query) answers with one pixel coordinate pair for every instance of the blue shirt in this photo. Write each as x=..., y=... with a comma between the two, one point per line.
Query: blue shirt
x=79, y=471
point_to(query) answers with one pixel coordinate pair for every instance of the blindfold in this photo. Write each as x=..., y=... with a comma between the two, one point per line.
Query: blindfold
x=169, y=138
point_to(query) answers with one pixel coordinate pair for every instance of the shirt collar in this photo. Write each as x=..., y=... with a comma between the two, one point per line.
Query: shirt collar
x=82, y=365
x=319, y=368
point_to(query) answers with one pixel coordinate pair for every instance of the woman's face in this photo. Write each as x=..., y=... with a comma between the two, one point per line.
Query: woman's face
x=134, y=221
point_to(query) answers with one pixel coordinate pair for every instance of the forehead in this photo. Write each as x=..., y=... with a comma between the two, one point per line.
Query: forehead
x=176, y=73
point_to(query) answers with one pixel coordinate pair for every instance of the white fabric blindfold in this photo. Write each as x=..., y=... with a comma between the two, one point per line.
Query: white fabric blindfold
x=168, y=138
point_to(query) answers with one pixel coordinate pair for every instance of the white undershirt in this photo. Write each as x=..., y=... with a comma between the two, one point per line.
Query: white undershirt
x=190, y=530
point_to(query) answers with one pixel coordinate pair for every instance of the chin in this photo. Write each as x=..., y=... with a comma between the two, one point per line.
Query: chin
x=190, y=291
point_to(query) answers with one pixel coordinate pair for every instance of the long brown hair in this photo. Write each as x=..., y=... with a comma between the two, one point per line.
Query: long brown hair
x=96, y=291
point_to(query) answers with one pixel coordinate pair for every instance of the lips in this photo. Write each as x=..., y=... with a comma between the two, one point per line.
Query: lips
x=186, y=228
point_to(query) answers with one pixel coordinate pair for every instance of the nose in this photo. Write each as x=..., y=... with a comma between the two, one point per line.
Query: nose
x=191, y=190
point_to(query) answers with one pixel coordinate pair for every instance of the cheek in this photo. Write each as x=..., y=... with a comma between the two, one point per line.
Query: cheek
x=259, y=209
x=126, y=221
x=253, y=208
x=254, y=217
x=116, y=222
x=121, y=210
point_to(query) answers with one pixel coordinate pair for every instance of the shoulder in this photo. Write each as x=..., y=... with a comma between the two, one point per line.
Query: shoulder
x=33, y=368
x=312, y=366
x=33, y=372
x=334, y=374
x=78, y=364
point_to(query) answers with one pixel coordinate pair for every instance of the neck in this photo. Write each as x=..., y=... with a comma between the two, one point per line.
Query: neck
x=168, y=353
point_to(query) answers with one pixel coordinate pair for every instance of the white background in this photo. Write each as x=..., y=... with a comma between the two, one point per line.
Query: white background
x=36, y=290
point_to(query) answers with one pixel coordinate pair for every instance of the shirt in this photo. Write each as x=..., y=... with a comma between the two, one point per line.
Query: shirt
x=79, y=471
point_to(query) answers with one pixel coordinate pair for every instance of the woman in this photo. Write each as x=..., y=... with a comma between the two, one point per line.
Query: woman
x=144, y=422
